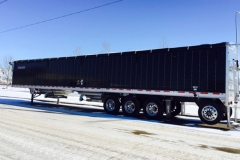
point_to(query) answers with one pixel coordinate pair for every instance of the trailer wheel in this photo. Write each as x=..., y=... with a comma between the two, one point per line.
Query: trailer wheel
x=225, y=114
x=210, y=113
x=131, y=106
x=153, y=109
x=111, y=105
x=175, y=108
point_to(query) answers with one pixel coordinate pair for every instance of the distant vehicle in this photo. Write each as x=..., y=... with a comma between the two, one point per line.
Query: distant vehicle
x=158, y=81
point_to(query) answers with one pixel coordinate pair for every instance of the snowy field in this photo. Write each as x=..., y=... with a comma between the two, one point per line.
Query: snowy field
x=74, y=130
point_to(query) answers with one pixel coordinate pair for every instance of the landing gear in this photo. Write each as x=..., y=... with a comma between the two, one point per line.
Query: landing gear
x=34, y=94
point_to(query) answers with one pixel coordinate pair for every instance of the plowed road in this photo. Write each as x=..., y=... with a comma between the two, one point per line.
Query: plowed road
x=45, y=133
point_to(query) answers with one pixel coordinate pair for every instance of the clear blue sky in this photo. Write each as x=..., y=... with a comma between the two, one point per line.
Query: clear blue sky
x=127, y=25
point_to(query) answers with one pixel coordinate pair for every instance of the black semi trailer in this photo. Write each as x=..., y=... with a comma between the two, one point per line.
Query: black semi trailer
x=157, y=81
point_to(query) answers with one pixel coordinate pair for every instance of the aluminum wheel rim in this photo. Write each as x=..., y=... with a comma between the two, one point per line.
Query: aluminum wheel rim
x=129, y=107
x=152, y=109
x=110, y=105
x=209, y=113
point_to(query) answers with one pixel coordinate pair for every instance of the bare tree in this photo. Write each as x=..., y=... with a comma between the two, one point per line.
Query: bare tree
x=105, y=47
x=164, y=43
x=77, y=51
x=6, y=69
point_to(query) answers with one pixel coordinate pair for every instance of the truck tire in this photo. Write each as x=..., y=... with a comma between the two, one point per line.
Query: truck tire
x=153, y=109
x=130, y=106
x=111, y=105
x=175, y=108
x=210, y=113
x=225, y=114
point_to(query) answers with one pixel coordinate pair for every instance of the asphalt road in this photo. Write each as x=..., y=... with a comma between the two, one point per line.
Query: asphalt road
x=46, y=132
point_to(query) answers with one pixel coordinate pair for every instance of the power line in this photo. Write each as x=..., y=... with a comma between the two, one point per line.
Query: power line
x=32, y=24
x=3, y=1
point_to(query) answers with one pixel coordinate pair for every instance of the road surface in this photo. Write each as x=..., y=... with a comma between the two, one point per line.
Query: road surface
x=43, y=132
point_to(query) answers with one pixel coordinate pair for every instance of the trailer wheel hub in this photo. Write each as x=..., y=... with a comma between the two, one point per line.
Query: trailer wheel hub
x=129, y=107
x=110, y=105
x=152, y=109
x=209, y=113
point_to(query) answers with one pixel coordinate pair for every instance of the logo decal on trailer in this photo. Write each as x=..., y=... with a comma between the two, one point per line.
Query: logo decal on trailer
x=21, y=67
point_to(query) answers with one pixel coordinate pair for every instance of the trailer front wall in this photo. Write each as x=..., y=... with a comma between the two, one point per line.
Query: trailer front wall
x=180, y=69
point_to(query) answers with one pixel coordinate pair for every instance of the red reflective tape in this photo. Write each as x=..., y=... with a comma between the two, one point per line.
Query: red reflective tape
x=166, y=91
x=157, y=90
x=107, y=88
x=204, y=92
x=121, y=89
x=192, y=92
x=113, y=88
x=216, y=93
x=148, y=90
x=128, y=89
x=181, y=92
